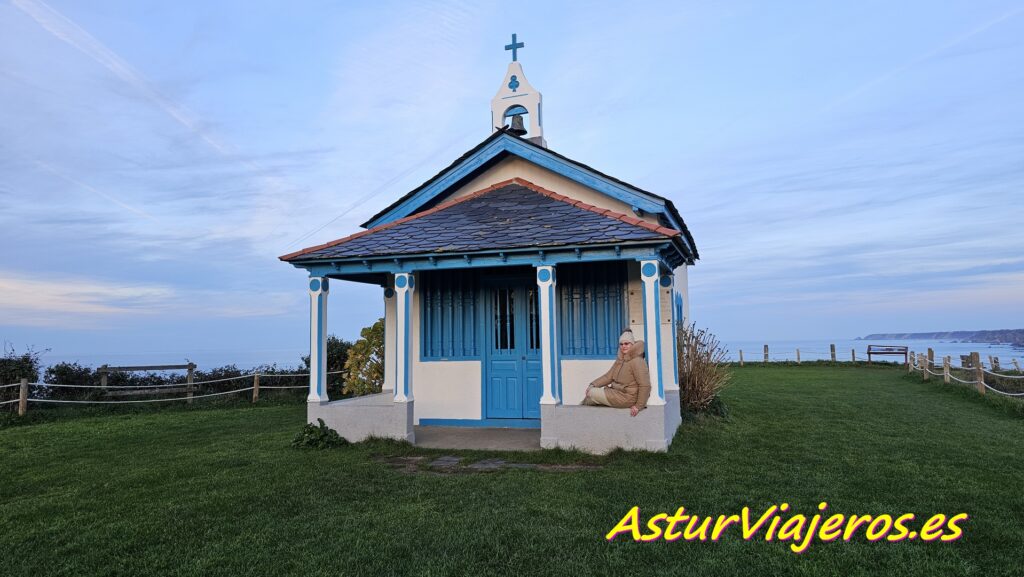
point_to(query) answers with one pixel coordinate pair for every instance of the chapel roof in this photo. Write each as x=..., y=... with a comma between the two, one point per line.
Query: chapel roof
x=533, y=148
x=507, y=215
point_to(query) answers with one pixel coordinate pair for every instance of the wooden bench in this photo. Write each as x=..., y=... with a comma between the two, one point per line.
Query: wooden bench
x=881, y=350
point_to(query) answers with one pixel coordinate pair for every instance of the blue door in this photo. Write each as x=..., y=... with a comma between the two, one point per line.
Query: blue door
x=512, y=367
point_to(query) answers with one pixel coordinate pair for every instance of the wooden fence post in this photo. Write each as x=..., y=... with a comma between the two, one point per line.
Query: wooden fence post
x=766, y=354
x=931, y=358
x=256, y=387
x=923, y=361
x=798, y=356
x=103, y=378
x=945, y=369
x=853, y=355
x=911, y=358
x=1016, y=365
x=979, y=372
x=23, y=398
x=995, y=364
x=833, y=348
x=741, y=357
x=188, y=382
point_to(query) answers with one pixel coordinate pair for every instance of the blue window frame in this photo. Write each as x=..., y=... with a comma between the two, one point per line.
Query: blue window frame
x=450, y=315
x=592, y=311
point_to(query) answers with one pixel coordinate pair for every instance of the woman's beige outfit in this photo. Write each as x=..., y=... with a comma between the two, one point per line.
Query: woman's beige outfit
x=626, y=384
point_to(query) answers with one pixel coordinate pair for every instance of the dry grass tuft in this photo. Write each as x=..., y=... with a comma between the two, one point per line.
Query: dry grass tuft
x=703, y=372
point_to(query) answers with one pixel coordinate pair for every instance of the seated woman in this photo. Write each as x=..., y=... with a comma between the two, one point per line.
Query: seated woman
x=627, y=384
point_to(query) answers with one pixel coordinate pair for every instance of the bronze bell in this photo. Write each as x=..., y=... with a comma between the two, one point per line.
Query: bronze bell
x=517, y=125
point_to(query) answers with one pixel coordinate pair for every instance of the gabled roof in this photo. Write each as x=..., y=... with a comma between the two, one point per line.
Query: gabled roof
x=508, y=215
x=502, y=144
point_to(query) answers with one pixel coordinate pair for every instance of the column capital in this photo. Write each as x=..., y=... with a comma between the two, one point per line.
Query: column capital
x=650, y=270
x=405, y=281
x=545, y=275
x=319, y=284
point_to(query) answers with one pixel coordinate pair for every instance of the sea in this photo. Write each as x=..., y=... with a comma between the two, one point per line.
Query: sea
x=753, y=351
x=818, y=349
x=244, y=359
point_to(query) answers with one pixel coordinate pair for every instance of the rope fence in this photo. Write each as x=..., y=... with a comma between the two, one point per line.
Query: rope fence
x=188, y=386
x=140, y=400
x=834, y=355
x=923, y=363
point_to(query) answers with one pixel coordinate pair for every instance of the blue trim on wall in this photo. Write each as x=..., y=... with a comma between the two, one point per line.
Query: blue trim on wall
x=492, y=423
x=675, y=341
x=515, y=257
x=511, y=145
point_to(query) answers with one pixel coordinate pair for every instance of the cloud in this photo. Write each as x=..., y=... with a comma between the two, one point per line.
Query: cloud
x=68, y=31
x=53, y=170
x=76, y=302
x=921, y=59
x=266, y=205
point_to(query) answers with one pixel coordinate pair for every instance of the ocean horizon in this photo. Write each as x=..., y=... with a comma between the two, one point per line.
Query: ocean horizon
x=753, y=351
x=819, y=349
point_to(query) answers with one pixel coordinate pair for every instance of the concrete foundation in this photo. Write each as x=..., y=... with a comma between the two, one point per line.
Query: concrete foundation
x=600, y=430
x=369, y=416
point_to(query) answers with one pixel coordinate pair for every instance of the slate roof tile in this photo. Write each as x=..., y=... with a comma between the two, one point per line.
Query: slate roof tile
x=511, y=214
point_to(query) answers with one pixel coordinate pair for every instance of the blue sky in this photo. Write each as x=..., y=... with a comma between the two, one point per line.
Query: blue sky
x=844, y=168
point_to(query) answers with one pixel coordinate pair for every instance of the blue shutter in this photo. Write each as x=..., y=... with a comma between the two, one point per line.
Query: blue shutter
x=592, y=309
x=449, y=315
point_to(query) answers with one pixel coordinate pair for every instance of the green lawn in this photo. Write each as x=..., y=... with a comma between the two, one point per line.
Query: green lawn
x=220, y=492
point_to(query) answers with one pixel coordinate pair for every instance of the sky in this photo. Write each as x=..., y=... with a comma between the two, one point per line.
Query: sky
x=845, y=167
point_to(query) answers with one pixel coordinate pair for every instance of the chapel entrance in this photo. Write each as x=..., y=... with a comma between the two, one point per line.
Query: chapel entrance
x=513, y=382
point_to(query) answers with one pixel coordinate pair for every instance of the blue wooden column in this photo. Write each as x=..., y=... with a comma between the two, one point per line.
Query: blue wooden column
x=404, y=285
x=548, y=335
x=650, y=274
x=319, y=287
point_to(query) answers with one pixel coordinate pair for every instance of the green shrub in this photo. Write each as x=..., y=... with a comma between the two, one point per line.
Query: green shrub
x=318, y=437
x=365, y=364
x=337, y=356
x=13, y=368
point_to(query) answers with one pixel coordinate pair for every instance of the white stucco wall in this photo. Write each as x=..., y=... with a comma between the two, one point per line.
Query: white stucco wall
x=577, y=374
x=513, y=167
x=442, y=389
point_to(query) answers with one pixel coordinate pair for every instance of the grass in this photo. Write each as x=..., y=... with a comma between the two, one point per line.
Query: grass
x=220, y=492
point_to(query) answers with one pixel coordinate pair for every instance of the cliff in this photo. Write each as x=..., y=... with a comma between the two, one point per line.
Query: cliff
x=1012, y=336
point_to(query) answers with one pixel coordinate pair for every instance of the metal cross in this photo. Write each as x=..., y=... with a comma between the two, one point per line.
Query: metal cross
x=514, y=46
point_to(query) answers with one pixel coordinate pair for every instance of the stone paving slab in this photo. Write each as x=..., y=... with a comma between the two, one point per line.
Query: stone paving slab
x=476, y=438
x=449, y=464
